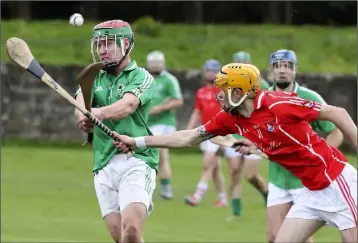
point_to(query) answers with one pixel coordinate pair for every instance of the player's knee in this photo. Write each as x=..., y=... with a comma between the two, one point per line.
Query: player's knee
x=271, y=237
x=251, y=172
x=114, y=227
x=116, y=236
x=234, y=170
x=131, y=232
x=250, y=176
x=217, y=172
x=271, y=230
x=115, y=233
x=207, y=168
x=210, y=166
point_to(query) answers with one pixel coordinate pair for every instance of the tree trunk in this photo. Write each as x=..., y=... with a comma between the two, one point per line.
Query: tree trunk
x=273, y=13
x=288, y=12
x=20, y=10
x=193, y=12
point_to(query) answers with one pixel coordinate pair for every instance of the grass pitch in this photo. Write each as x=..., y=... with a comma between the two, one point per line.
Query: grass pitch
x=48, y=196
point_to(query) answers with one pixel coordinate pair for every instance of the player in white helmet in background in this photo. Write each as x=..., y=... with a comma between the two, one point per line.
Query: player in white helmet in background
x=162, y=118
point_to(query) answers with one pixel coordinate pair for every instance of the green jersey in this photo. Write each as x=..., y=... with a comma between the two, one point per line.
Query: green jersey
x=278, y=175
x=264, y=84
x=107, y=89
x=166, y=87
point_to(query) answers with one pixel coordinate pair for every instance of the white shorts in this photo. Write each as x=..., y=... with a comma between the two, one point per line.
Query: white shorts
x=162, y=129
x=277, y=195
x=210, y=147
x=123, y=181
x=336, y=204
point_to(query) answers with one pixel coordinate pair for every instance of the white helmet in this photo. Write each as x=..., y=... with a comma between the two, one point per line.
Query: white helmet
x=155, y=61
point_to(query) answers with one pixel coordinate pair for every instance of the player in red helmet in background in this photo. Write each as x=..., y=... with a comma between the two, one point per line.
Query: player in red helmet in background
x=207, y=107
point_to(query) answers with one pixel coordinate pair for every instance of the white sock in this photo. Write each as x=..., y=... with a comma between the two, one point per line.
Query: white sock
x=201, y=188
x=222, y=197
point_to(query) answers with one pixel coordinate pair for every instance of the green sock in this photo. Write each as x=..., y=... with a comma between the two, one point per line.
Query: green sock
x=236, y=206
x=165, y=182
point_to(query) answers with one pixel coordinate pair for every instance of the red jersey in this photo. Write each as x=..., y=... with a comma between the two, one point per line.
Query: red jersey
x=279, y=126
x=206, y=103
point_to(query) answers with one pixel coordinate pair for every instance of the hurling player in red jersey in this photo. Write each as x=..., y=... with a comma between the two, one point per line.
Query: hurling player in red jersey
x=206, y=107
x=278, y=124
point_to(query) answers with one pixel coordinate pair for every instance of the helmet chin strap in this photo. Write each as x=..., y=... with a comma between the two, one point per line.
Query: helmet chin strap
x=232, y=103
x=244, y=97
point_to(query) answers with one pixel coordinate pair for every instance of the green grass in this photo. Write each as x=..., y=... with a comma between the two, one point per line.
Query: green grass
x=319, y=49
x=48, y=196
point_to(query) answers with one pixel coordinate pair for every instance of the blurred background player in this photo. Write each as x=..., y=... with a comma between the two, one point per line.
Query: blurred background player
x=245, y=57
x=162, y=119
x=206, y=107
x=250, y=162
x=284, y=187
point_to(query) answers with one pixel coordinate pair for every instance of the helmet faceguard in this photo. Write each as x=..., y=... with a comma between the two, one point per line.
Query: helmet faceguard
x=245, y=77
x=283, y=67
x=104, y=34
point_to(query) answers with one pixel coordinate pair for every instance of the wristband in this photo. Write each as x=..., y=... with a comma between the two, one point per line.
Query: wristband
x=140, y=142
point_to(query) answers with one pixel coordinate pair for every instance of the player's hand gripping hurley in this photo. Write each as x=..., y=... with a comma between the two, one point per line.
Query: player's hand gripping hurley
x=20, y=53
x=230, y=141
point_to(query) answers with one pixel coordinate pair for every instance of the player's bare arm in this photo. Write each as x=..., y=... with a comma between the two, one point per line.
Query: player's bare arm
x=335, y=138
x=342, y=120
x=83, y=123
x=79, y=98
x=179, y=139
x=194, y=119
x=119, y=109
x=166, y=106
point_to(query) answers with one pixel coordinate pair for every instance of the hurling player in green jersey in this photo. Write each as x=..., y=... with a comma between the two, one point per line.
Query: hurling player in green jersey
x=162, y=118
x=122, y=93
x=284, y=187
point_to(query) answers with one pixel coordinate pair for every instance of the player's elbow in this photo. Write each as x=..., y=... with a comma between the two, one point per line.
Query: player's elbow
x=176, y=103
x=179, y=102
x=186, y=138
x=193, y=138
x=131, y=107
x=338, y=112
x=332, y=113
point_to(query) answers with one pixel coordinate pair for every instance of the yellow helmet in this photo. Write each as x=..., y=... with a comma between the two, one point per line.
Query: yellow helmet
x=243, y=76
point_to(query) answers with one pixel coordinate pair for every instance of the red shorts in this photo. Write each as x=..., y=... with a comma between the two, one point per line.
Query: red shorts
x=336, y=204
